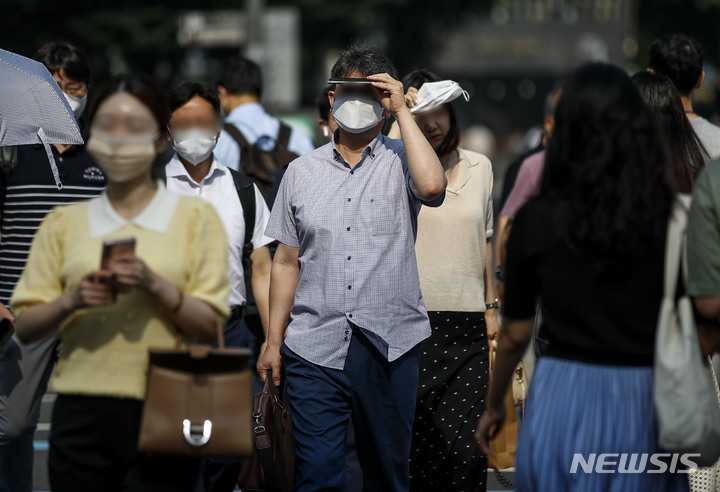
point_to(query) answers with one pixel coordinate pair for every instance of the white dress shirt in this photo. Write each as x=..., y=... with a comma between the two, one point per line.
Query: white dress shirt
x=218, y=188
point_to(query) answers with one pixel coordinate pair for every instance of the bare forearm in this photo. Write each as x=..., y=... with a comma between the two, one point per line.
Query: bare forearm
x=708, y=307
x=489, y=268
x=512, y=342
x=283, y=284
x=502, y=223
x=37, y=322
x=425, y=169
x=261, y=291
x=193, y=317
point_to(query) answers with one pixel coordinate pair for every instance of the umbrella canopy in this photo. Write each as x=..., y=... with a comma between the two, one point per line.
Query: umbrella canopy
x=33, y=110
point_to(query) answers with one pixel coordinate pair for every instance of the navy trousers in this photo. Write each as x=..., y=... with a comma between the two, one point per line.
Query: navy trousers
x=379, y=397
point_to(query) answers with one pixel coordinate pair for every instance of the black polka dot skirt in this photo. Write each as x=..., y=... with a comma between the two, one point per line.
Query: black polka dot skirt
x=451, y=392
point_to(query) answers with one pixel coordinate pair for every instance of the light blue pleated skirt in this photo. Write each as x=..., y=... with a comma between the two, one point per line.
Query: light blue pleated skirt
x=576, y=407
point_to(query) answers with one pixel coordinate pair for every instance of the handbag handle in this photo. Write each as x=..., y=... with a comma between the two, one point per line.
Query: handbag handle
x=675, y=245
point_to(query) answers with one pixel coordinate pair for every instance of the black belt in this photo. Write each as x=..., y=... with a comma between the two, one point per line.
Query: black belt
x=235, y=313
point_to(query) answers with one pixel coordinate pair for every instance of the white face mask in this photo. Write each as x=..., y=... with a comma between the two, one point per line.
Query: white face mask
x=194, y=145
x=434, y=94
x=356, y=114
x=77, y=104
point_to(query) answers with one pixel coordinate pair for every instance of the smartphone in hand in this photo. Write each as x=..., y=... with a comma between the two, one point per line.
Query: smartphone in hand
x=114, y=248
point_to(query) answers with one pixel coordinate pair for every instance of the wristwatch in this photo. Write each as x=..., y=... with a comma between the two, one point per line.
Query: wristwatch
x=494, y=305
x=498, y=273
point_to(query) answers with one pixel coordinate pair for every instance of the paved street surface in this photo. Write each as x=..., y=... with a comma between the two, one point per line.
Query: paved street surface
x=41, y=446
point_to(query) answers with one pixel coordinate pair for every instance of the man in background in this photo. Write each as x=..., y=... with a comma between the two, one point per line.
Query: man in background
x=526, y=186
x=194, y=171
x=680, y=58
x=269, y=145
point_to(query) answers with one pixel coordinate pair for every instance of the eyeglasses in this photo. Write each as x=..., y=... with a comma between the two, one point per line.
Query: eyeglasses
x=70, y=86
x=75, y=91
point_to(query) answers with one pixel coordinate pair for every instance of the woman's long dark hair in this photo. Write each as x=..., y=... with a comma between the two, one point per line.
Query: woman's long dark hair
x=605, y=168
x=686, y=154
x=451, y=141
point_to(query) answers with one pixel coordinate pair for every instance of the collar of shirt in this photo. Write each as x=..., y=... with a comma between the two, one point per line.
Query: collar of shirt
x=156, y=217
x=246, y=112
x=370, y=150
x=176, y=169
x=463, y=172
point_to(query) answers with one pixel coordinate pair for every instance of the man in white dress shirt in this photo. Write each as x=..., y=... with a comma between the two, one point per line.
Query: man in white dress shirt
x=194, y=128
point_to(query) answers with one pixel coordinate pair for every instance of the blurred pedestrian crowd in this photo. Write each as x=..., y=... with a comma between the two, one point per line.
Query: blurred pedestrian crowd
x=362, y=274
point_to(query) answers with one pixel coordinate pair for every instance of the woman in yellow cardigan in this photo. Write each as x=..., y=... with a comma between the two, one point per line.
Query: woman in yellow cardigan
x=176, y=281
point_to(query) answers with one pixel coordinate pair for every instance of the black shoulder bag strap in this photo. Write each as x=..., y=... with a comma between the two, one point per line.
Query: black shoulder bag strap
x=246, y=193
x=159, y=172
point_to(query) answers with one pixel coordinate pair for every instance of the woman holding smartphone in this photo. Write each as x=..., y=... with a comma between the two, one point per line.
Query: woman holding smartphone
x=174, y=281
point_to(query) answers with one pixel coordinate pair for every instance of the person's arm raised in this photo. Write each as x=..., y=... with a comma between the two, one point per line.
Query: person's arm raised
x=425, y=169
x=284, y=278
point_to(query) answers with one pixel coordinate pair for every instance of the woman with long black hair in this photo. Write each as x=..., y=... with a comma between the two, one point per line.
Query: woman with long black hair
x=591, y=247
x=686, y=154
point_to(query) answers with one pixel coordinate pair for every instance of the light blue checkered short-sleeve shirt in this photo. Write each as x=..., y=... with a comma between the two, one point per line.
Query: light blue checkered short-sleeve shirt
x=355, y=229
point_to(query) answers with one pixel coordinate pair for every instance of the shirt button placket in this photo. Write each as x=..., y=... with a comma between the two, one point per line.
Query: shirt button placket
x=349, y=243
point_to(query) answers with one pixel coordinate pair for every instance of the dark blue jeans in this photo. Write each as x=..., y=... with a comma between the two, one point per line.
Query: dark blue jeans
x=379, y=397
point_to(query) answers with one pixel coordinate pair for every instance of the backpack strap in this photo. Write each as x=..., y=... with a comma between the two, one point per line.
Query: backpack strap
x=283, y=138
x=236, y=134
x=246, y=193
x=159, y=172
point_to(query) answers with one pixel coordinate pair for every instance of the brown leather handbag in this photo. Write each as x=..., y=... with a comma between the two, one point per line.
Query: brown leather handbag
x=198, y=402
x=504, y=445
x=272, y=466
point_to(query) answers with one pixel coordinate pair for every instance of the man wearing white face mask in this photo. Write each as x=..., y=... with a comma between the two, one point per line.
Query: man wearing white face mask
x=194, y=171
x=28, y=191
x=346, y=276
